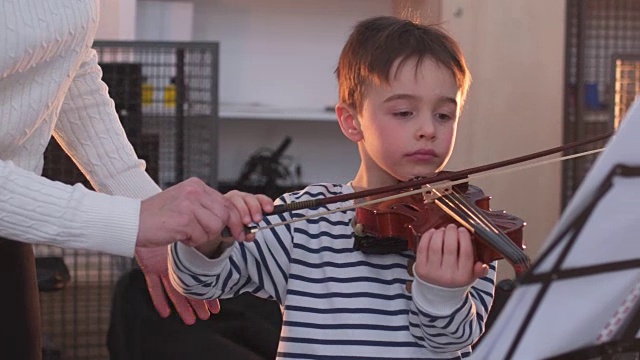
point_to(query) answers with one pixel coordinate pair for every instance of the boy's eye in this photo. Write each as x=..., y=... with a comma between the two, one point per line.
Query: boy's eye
x=443, y=117
x=403, y=114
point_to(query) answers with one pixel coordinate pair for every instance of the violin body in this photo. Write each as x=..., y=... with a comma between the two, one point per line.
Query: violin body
x=397, y=225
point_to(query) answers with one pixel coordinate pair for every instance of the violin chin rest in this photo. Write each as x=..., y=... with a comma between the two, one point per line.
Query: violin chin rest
x=380, y=246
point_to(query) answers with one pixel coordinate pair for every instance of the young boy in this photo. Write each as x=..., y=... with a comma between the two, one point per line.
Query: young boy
x=402, y=86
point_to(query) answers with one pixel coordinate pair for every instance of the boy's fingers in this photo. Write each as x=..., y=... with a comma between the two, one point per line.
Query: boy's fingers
x=266, y=203
x=466, y=247
x=423, y=245
x=450, y=246
x=255, y=208
x=435, y=248
x=241, y=207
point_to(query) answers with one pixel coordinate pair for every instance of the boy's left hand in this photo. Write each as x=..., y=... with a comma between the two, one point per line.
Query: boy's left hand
x=445, y=257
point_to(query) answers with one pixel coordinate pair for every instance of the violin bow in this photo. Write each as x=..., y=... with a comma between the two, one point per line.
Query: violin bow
x=451, y=178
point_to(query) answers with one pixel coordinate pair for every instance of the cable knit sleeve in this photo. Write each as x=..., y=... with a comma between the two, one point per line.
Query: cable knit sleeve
x=89, y=130
x=36, y=210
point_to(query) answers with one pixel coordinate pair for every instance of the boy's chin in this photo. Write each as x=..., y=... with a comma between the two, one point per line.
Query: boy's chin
x=425, y=174
x=403, y=175
x=417, y=176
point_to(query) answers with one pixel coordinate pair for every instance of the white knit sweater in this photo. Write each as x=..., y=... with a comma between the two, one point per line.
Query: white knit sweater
x=50, y=84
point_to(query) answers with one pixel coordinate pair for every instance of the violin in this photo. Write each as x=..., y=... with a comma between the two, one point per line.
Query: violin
x=396, y=225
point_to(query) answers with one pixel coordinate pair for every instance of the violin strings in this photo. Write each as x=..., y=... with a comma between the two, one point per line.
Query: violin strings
x=481, y=226
x=447, y=203
x=437, y=185
x=456, y=200
x=478, y=215
x=457, y=206
x=515, y=251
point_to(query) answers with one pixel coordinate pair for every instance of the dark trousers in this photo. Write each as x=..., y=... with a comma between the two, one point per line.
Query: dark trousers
x=20, y=333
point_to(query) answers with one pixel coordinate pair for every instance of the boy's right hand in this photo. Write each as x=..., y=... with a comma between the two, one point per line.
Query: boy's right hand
x=250, y=207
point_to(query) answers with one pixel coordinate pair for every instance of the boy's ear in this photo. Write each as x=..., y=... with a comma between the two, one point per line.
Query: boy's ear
x=348, y=119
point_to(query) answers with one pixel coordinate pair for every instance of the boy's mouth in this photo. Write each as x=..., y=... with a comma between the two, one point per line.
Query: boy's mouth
x=422, y=154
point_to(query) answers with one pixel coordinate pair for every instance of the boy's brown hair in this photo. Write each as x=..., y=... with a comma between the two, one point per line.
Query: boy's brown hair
x=376, y=43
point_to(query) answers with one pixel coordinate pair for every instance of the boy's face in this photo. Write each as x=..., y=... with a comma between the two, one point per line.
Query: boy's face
x=408, y=128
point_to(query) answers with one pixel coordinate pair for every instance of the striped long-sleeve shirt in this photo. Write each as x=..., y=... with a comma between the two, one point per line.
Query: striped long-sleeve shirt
x=338, y=302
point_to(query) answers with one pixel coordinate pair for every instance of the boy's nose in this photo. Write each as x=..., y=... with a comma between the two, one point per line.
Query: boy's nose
x=426, y=129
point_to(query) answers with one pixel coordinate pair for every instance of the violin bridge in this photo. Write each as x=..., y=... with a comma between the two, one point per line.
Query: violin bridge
x=429, y=193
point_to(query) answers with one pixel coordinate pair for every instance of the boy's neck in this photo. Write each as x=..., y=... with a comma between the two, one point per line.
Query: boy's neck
x=363, y=180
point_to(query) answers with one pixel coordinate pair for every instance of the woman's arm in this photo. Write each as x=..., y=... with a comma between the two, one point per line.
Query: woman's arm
x=89, y=130
x=37, y=210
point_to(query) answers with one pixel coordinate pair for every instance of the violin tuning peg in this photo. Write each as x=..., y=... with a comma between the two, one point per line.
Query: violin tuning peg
x=408, y=286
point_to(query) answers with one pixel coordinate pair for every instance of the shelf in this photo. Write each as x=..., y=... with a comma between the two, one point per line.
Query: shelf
x=261, y=112
x=248, y=112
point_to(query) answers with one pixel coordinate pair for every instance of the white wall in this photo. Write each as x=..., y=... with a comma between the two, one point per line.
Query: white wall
x=117, y=20
x=282, y=53
x=164, y=20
